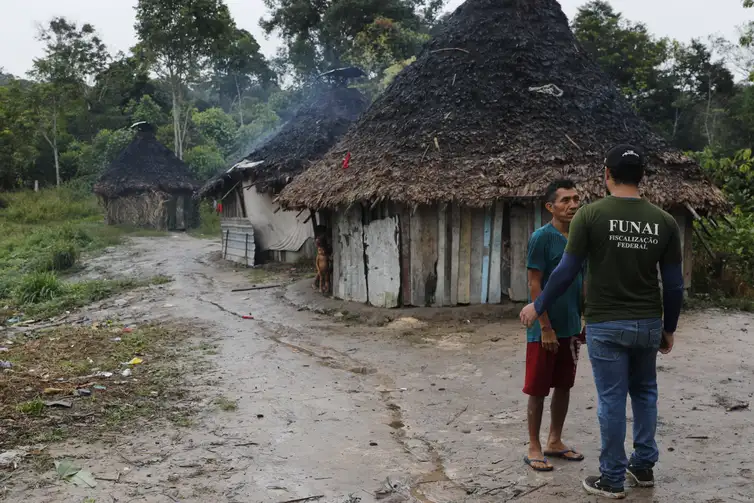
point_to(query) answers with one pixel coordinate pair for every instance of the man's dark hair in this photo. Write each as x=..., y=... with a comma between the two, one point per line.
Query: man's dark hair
x=556, y=185
x=626, y=164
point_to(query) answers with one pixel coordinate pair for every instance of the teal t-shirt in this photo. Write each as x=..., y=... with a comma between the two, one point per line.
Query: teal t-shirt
x=546, y=247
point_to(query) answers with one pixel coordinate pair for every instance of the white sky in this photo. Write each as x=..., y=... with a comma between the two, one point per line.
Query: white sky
x=114, y=19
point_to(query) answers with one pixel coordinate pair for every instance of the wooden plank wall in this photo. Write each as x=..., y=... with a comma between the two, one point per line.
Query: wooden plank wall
x=424, y=230
x=455, y=237
x=477, y=254
x=494, y=295
x=352, y=283
x=464, y=257
x=521, y=225
x=383, y=262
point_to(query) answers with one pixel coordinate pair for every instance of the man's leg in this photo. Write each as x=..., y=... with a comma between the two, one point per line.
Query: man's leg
x=610, y=362
x=539, y=365
x=642, y=386
x=564, y=377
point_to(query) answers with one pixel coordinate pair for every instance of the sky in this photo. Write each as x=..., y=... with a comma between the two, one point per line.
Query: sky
x=114, y=19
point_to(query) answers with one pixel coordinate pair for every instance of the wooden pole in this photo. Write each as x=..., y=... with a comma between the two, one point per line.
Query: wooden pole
x=36, y=185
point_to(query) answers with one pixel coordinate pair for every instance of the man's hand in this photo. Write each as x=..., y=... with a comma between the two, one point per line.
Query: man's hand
x=666, y=346
x=528, y=315
x=550, y=340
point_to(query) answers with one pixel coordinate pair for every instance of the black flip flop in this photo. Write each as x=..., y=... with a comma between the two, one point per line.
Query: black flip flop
x=562, y=455
x=543, y=461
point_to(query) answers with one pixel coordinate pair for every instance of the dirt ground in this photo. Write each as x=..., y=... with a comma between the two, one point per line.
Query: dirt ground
x=410, y=411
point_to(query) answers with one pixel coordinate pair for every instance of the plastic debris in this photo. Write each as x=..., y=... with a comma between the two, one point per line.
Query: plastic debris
x=10, y=459
x=60, y=403
x=99, y=387
x=135, y=361
x=126, y=373
x=5, y=365
x=68, y=472
x=84, y=392
x=53, y=391
x=247, y=317
x=128, y=330
x=4, y=350
x=116, y=339
x=103, y=374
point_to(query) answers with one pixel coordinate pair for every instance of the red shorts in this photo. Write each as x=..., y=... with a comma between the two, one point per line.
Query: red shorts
x=545, y=370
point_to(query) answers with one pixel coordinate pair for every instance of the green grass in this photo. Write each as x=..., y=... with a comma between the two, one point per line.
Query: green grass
x=42, y=236
x=209, y=223
x=226, y=404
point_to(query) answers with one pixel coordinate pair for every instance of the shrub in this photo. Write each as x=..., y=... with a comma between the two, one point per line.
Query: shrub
x=38, y=287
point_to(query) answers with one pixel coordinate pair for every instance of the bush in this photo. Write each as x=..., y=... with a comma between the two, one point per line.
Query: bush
x=38, y=287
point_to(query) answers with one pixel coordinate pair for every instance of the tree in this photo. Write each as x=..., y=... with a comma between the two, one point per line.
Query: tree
x=17, y=135
x=318, y=34
x=382, y=44
x=205, y=161
x=146, y=109
x=216, y=128
x=626, y=51
x=180, y=38
x=73, y=57
x=238, y=68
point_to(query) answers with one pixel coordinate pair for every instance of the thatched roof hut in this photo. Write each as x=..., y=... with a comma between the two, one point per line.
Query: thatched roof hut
x=499, y=103
x=305, y=138
x=447, y=168
x=147, y=185
x=247, y=189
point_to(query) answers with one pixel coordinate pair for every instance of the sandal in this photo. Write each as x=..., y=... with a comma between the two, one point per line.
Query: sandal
x=544, y=461
x=564, y=455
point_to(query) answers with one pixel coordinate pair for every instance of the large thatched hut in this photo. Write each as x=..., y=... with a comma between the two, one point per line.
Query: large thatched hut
x=448, y=166
x=247, y=190
x=148, y=186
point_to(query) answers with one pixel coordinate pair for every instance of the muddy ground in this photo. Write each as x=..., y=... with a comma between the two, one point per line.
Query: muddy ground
x=405, y=412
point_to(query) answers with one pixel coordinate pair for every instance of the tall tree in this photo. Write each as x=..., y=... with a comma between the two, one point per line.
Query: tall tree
x=318, y=33
x=181, y=38
x=73, y=56
x=238, y=68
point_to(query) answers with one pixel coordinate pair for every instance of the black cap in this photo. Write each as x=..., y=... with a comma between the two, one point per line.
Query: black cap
x=624, y=156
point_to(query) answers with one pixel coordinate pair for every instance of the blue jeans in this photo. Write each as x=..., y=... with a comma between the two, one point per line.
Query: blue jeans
x=624, y=361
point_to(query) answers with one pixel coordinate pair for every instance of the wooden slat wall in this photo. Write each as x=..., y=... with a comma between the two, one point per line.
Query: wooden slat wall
x=494, y=295
x=522, y=225
x=455, y=241
x=477, y=253
x=424, y=222
x=383, y=262
x=442, y=295
x=486, y=255
x=352, y=284
x=405, y=222
x=464, y=257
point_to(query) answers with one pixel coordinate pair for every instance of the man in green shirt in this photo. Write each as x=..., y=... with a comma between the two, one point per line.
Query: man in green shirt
x=623, y=238
x=551, y=345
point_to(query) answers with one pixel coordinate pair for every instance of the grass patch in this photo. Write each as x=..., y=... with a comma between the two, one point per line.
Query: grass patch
x=44, y=234
x=209, y=223
x=276, y=272
x=57, y=364
x=226, y=404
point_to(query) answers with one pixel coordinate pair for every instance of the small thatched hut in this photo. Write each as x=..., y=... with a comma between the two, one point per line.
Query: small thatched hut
x=448, y=166
x=247, y=190
x=148, y=186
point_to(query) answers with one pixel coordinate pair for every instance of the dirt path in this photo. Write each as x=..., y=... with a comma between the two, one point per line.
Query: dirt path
x=322, y=408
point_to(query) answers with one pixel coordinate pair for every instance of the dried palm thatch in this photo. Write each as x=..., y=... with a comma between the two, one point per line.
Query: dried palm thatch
x=306, y=137
x=499, y=103
x=145, y=165
x=145, y=209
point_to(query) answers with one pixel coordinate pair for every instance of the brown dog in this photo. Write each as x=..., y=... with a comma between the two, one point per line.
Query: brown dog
x=322, y=262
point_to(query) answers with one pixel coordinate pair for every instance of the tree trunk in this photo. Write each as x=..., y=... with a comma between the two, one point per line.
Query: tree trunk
x=55, y=147
x=240, y=102
x=709, y=110
x=176, y=122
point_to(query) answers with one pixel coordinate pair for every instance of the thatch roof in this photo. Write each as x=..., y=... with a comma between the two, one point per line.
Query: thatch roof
x=306, y=137
x=145, y=165
x=498, y=104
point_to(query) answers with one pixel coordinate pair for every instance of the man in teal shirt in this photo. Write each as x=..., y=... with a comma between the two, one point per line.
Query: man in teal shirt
x=551, y=349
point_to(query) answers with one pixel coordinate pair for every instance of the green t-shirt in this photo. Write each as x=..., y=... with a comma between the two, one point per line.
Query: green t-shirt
x=546, y=247
x=623, y=241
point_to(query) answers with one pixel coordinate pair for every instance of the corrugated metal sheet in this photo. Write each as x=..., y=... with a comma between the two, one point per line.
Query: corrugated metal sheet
x=238, y=240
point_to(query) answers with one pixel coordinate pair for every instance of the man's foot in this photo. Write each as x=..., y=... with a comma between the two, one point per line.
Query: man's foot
x=641, y=478
x=539, y=464
x=561, y=451
x=594, y=485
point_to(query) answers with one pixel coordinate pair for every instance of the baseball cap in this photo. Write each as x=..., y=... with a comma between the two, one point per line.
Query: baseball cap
x=624, y=156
